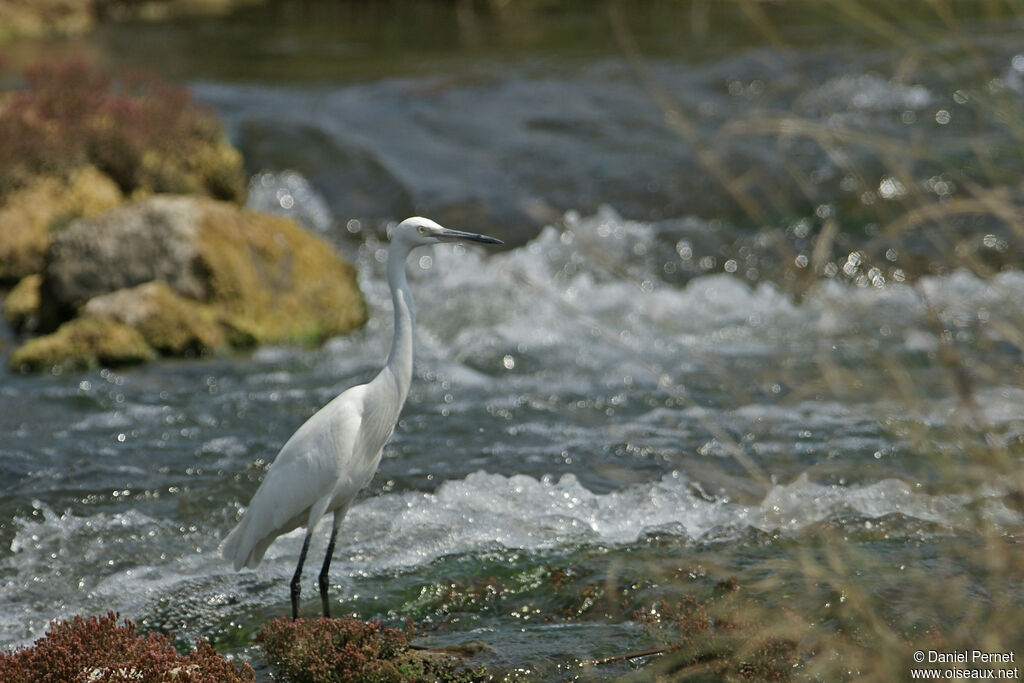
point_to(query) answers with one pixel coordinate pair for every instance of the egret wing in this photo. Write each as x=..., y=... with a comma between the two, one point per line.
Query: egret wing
x=306, y=471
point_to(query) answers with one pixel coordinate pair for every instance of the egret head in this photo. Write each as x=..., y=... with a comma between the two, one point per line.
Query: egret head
x=417, y=231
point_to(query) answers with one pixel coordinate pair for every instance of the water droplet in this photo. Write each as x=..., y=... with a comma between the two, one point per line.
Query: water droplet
x=891, y=188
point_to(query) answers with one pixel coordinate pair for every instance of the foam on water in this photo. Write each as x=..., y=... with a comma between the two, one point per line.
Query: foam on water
x=289, y=193
x=574, y=299
x=532, y=357
x=487, y=510
x=863, y=92
x=593, y=289
x=129, y=561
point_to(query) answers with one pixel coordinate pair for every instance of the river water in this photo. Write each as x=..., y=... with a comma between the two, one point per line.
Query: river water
x=638, y=381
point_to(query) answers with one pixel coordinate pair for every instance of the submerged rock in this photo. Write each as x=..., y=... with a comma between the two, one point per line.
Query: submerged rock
x=187, y=275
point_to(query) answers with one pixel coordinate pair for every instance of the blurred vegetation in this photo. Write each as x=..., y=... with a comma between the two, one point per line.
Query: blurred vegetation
x=21, y=19
x=861, y=196
x=141, y=131
x=883, y=203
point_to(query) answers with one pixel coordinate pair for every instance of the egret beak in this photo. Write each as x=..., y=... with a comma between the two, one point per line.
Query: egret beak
x=458, y=235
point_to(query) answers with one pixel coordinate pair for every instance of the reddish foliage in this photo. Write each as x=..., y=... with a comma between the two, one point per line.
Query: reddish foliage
x=350, y=651
x=137, y=129
x=323, y=650
x=97, y=649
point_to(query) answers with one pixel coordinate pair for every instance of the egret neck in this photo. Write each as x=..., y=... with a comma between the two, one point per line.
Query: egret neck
x=399, y=362
x=335, y=453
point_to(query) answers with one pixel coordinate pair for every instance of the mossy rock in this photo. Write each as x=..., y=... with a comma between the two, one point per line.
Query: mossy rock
x=190, y=275
x=21, y=307
x=170, y=323
x=30, y=214
x=267, y=277
x=45, y=18
x=138, y=242
x=206, y=166
x=273, y=279
x=83, y=343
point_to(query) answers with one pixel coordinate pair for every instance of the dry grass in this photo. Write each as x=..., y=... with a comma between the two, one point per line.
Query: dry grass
x=852, y=615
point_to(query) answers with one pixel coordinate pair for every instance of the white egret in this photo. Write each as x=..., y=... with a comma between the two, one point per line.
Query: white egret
x=335, y=453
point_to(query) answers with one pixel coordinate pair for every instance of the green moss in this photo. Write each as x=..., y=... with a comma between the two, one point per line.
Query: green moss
x=170, y=323
x=21, y=306
x=31, y=213
x=285, y=285
x=81, y=343
x=44, y=18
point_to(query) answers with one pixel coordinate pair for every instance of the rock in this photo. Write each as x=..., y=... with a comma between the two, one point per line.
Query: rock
x=21, y=307
x=82, y=343
x=45, y=18
x=133, y=244
x=28, y=215
x=354, y=181
x=469, y=648
x=274, y=280
x=266, y=275
x=188, y=275
x=170, y=323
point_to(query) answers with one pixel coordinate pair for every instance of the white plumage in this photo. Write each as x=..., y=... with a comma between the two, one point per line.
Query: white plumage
x=335, y=453
x=316, y=472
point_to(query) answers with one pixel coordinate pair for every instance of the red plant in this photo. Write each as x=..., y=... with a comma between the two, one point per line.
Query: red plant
x=97, y=649
x=138, y=129
x=323, y=650
x=350, y=651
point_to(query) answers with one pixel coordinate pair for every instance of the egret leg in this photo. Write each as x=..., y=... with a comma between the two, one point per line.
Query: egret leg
x=295, y=587
x=327, y=562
